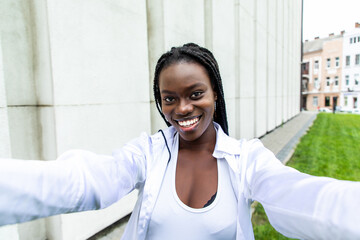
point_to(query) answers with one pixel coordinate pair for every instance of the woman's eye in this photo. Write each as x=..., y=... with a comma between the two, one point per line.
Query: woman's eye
x=196, y=94
x=169, y=99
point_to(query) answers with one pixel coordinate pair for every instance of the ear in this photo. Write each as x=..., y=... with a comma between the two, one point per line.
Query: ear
x=215, y=95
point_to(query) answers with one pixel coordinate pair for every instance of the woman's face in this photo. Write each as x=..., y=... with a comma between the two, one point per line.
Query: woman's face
x=187, y=99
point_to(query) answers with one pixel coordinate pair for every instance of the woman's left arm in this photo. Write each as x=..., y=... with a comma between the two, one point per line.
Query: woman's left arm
x=300, y=205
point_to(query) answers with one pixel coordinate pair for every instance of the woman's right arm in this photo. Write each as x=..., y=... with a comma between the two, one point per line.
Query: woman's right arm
x=77, y=181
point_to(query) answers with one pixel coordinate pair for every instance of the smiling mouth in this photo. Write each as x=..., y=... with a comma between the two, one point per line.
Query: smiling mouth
x=189, y=122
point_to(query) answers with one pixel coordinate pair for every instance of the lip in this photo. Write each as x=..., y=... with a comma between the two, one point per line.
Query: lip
x=191, y=126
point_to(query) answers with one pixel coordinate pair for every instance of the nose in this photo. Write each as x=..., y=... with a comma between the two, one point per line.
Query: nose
x=184, y=107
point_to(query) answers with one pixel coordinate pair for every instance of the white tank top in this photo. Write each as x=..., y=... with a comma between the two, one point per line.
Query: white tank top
x=172, y=219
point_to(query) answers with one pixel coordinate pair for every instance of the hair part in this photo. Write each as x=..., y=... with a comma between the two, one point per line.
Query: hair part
x=189, y=53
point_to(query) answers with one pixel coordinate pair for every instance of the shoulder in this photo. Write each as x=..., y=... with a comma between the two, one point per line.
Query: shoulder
x=163, y=136
x=255, y=151
x=226, y=145
x=230, y=146
x=253, y=146
x=147, y=144
x=250, y=154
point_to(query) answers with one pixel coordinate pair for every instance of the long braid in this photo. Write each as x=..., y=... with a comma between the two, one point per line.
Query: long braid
x=159, y=66
x=191, y=52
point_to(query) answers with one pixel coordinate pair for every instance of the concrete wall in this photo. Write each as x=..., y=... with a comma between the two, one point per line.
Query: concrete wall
x=65, y=65
x=73, y=72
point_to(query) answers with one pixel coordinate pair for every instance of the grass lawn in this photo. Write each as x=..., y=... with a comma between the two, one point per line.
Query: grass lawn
x=330, y=148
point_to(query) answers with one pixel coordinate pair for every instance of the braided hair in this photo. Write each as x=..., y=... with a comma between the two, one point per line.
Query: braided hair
x=192, y=53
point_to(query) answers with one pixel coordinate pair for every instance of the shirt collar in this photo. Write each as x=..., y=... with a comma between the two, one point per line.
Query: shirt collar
x=225, y=145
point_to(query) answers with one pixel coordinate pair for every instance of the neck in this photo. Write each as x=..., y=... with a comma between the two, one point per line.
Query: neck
x=205, y=142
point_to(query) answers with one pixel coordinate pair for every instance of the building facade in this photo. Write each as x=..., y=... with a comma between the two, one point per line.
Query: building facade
x=350, y=88
x=78, y=74
x=321, y=82
x=331, y=72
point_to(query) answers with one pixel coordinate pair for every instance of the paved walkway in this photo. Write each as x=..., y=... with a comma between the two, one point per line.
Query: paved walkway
x=281, y=141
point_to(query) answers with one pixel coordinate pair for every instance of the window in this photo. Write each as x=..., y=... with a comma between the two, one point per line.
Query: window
x=316, y=65
x=347, y=80
x=327, y=81
x=347, y=60
x=354, y=39
x=350, y=40
x=346, y=101
x=336, y=81
x=356, y=78
x=358, y=38
x=357, y=59
x=316, y=83
x=315, y=101
x=328, y=62
x=327, y=101
x=337, y=62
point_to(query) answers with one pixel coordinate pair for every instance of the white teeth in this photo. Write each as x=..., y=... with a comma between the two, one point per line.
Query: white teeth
x=188, y=122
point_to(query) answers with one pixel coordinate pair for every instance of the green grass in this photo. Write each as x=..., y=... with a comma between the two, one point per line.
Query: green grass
x=330, y=148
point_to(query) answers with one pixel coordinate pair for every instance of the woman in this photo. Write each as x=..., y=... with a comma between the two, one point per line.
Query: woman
x=194, y=181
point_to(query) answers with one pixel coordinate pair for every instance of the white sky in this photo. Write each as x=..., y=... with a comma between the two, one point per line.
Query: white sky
x=322, y=17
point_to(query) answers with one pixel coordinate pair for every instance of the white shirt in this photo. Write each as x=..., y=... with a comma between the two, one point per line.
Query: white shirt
x=298, y=205
x=172, y=219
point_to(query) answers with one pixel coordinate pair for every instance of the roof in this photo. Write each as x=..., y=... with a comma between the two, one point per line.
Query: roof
x=317, y=44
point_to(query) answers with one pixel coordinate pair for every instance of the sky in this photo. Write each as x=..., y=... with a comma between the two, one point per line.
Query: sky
x=321, y=17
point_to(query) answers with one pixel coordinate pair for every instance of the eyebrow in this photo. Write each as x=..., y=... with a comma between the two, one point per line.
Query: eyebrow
x=195, y=85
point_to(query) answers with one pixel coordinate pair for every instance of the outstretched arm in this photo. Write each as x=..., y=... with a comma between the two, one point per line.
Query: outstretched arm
x=300, y=205
x=77, y=181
